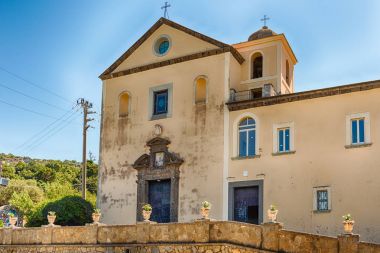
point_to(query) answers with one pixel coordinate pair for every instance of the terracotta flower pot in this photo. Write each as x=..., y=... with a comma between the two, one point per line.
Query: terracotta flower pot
x=146, y=215
x=51, y=219
x=272, y=215
x=96, y=217
x=348, y=226
x=13, y=221
x=205, y=212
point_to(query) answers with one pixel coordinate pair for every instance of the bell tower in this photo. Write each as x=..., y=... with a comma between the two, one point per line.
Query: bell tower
x=268, y=69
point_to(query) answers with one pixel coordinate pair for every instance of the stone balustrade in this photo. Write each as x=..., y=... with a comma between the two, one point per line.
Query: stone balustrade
x=198, y=236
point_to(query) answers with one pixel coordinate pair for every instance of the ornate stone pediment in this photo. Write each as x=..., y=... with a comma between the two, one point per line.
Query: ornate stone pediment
x=142, y=162
x=159, y=156
x=158, y=141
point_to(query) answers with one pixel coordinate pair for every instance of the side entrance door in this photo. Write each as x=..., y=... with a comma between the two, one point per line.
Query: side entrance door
x=159, y=198
x=245, y=202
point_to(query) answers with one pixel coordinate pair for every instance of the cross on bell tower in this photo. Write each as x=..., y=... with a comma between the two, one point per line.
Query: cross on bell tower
x=165, y=8
x=264, y=20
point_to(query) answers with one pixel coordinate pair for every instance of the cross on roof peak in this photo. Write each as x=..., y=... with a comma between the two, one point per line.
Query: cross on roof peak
x=264, y=20
x=165, y=8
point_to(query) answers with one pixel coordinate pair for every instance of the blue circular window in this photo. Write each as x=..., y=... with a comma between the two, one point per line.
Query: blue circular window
x=162, y=46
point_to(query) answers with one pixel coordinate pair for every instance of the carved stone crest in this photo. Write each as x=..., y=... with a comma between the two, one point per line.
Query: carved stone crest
x=157, y=130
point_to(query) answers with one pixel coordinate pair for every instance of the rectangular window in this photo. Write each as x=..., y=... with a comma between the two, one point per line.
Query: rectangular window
x=357, y=131
x=283, y=140
x=160, y=102
x=322, y=200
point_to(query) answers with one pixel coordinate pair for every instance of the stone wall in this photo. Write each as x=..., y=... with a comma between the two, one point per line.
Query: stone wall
x=199, y=236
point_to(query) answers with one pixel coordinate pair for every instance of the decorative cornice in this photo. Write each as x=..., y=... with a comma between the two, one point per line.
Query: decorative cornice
x=165, y=63
x=287, y=98
x=158, y=141
x=177, y=26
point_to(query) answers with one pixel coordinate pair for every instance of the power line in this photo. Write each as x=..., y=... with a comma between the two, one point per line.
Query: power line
x=31, y=97
x=43, y=130
x=51, y=133
x=44, y=134
x=27, y=110
x=34, y=84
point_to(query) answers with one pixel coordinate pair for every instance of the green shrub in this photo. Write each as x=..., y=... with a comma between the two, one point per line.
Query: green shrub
x=35, y=219
x=70, y=211
x=1, y=223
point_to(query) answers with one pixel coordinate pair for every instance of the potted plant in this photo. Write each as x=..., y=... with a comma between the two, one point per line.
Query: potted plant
x=348, y=223
x=51, y=218
x=1, y=223
x=12, y=220
x=96, y=215
x=146, y=211
x=272, y=213
x=205, y=209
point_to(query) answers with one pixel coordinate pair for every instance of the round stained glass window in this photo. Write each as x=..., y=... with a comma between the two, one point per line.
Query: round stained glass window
x=162, y=46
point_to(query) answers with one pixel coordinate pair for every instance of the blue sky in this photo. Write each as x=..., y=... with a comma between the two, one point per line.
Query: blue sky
x=52, y=52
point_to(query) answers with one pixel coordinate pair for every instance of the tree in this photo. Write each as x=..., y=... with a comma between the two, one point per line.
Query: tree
x=58, y=190
x=9, y=171
x=92, y=177
x=22, y=202
x=36, y=184
x=29, y=186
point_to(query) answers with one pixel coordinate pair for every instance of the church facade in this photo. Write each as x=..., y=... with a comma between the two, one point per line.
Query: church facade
x=187, y=118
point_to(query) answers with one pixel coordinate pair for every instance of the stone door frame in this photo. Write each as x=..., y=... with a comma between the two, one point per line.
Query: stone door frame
x=148, y=170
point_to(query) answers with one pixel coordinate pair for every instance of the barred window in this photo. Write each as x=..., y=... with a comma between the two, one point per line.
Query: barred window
x=322, y=200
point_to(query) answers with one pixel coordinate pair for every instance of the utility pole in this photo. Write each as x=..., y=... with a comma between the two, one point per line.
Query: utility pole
x=86, y=106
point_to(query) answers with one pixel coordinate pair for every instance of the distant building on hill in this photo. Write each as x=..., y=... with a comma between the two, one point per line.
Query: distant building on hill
x=3, y=181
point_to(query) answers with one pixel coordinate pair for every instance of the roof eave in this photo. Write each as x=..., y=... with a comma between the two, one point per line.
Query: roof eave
x=304, y=95
x=175, y=25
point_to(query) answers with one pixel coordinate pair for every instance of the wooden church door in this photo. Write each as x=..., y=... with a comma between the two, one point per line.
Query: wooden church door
x=159, y=198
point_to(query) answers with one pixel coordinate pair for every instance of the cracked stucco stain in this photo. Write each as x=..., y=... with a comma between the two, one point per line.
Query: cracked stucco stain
x=104, y=198
x=126, y=170
x=112, y=171
x=122, y=202
x=122, y=131
x=189, y=203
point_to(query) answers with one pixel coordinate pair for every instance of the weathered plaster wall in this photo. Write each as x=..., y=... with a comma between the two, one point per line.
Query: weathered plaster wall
x=284, y=85
x=320, y=159
x=195, y=132
x=200, y=236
